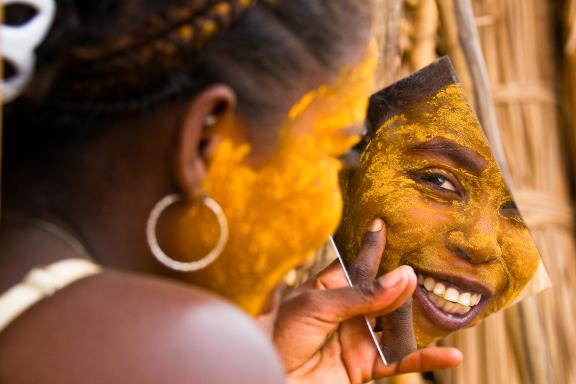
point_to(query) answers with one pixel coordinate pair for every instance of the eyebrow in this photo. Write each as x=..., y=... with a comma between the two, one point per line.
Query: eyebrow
x=454, y=153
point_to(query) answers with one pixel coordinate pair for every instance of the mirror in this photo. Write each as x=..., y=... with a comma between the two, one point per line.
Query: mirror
x=426, y=168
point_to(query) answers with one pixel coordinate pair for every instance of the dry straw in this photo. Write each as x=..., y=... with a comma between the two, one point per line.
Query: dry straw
x=534, y=341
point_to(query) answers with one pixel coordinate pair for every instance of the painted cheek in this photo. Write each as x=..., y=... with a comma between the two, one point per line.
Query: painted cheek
x=520, y=256
x=338, y=106
x=268, y=211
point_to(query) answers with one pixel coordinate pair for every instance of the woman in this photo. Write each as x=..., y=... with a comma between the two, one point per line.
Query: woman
x=428, y=171
x=177, y=144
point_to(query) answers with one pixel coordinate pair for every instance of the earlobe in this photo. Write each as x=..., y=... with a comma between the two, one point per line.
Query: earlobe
x=200, y=128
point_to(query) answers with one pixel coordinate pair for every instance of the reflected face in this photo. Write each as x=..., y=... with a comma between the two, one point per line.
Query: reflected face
x=430, y=174
x=282, y=211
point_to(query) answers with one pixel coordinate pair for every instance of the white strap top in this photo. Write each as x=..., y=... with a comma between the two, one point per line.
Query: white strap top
x=41, y=283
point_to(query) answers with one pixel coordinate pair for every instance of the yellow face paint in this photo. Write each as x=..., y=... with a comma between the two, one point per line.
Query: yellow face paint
x=278, y=212
x=429, y=172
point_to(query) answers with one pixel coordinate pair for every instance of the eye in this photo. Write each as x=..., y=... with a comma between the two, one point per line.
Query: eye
x=510, y=210
x=440, y=181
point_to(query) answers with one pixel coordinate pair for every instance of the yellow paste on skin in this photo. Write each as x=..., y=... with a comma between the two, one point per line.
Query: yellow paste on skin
x=279, y=212
x=425, y=224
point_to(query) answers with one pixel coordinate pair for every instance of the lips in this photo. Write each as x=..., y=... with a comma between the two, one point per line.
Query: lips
x=450, y=304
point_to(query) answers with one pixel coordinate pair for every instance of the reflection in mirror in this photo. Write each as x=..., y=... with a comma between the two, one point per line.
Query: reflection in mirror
x=427, y=170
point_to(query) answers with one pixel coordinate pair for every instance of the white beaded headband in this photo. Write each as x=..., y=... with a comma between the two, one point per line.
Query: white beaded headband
x=19, y=42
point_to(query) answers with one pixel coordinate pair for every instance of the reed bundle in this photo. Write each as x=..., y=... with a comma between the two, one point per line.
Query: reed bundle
x=534, y=341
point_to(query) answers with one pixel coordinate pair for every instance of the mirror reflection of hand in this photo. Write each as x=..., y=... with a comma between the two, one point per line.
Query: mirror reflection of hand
x=322, y=337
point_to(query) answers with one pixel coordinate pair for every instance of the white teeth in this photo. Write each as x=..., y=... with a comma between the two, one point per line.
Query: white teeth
x=444, y=296
x=449, y=307
x=475, y=299
x=464, y=299
x=429, y=283
x=439, y=289
x=451, y=295
x=435, y=299
x=446, y=306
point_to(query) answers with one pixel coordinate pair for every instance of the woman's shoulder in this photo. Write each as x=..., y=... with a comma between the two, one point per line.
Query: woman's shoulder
x=117, y=327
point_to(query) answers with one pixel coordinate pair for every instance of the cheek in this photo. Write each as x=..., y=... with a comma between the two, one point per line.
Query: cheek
x=292, y=205
x=413, y=221
x=277, y=215
x=419, y=221
x=520, y=255
x=418, y=225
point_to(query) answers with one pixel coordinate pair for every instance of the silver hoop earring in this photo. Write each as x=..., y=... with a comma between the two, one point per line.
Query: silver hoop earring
x=179, y=265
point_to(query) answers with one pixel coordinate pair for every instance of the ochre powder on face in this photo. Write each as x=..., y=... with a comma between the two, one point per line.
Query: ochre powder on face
x=279, y=212
x=427, y=225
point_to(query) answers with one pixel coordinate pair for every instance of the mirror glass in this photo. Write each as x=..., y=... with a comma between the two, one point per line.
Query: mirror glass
x=426, y=168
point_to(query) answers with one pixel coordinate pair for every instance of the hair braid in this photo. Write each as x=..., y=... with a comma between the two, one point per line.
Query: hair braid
x=175, y=20
x=134, y=63
x=110, y=62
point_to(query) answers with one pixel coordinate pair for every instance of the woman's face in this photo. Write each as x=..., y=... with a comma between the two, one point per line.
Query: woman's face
x=430, y=174
x=280, y=212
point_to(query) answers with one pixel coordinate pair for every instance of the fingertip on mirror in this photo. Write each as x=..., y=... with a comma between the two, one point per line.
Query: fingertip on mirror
x=377, y=225
x=393, y=279
x=451, y=356
x=408, y=271
x=455, y=355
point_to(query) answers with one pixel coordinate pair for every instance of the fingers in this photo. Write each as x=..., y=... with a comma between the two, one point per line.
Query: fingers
x=398, y=336
x=319, y=313
x=397, y=333
x=333, y=306
x=428, y=359
x=365, y=266
x=363, y=269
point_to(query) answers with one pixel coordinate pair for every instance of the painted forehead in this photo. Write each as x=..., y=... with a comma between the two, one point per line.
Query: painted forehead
x=448, y=151
x=444, y=120
x=438, y=129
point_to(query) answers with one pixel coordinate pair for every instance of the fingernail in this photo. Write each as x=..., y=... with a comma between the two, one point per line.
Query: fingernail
x=392, y=279
x=376, y=225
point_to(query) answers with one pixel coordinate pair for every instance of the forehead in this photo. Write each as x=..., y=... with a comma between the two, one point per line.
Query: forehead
x=450, y=152
x=444, y=114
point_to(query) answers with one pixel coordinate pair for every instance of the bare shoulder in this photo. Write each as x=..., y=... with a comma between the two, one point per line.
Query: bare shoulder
x=120, y=328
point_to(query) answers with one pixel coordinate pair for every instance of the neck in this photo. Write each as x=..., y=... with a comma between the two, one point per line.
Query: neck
x=110, y=224
x=101, y=192
x=26, y=243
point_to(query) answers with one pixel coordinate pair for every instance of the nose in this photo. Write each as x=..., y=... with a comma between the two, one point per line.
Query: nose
x=477, y=240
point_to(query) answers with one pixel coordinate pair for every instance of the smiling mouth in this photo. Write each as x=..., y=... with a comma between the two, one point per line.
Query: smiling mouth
x=450, y=305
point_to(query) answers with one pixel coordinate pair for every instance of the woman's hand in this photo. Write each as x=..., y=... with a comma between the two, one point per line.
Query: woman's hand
x=322, y=337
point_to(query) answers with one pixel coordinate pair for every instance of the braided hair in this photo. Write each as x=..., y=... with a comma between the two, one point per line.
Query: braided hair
x=109, y=58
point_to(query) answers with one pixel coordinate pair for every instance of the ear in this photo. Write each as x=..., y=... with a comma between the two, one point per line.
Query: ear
x=205, y=116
